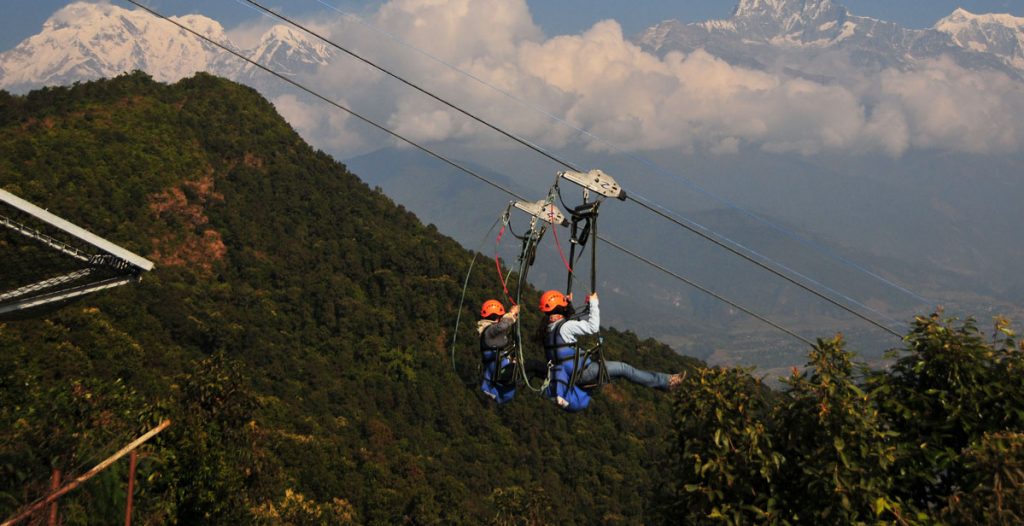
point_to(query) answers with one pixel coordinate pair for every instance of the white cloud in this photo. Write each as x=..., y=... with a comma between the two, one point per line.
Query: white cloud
x=948, y=107
x=247, y=34
x=331, y=130
x=601, y=82
x=303, y=117
x=460, y=29
x=72, y=14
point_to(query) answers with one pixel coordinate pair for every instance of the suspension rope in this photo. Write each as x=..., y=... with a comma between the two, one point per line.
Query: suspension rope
x=525, y=262
x=562, y=162
x=381, y=127
x=497, y=261
x=565, y=261
x=465, y=285
x=709, y=292
x=766, y=267
x=643, y=160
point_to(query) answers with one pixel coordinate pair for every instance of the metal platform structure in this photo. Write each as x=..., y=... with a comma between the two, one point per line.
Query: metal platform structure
x=48, y=260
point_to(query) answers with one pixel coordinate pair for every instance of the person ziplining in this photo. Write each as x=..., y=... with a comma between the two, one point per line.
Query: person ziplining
x=570, y=373
x=499, y=360
x=574, y=373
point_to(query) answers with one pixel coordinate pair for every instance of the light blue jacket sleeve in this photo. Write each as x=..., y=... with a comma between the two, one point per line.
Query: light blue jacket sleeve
x=591, y=324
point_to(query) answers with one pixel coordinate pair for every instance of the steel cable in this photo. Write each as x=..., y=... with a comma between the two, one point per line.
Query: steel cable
x=418, y=146
x=566, y=164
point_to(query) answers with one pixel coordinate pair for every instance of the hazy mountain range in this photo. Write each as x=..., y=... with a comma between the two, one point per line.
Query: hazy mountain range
x=917, y=222
x=945, y=224
x=85, y=41
x=804, y=35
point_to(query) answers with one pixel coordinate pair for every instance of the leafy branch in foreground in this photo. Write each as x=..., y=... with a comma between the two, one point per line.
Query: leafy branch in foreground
x=936, y=438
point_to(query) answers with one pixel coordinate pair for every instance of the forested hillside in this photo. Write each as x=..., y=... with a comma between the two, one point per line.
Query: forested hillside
x=296, y=330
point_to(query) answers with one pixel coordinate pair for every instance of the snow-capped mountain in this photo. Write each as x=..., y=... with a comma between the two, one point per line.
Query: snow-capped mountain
x=287, y=51
x=290, y=51
x=805, y=21
x=1000, y=35
x=86, y=41
x=810, y=34
x=813, y=23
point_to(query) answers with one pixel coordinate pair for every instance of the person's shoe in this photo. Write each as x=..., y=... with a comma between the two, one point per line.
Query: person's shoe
x=675, y=381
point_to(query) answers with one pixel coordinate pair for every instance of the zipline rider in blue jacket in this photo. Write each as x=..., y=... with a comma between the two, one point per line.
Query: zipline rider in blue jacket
x=561, y=334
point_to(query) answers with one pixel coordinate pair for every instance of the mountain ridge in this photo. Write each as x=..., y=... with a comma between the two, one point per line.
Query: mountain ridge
x=78, y=41
x=802, y=29
x=86, y=41
x=1002, y=34
x=309, y=345
x=960, y=261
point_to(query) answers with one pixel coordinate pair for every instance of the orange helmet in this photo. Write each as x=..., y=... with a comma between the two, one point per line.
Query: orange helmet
x=552, y=299
x=491, y=307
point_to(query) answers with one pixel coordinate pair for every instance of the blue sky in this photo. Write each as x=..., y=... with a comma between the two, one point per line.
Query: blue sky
x=22, y=19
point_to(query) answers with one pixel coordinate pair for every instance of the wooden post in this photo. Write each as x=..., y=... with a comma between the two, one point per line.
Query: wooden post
x=52, y=497
x=131, y=488
x=54, y=485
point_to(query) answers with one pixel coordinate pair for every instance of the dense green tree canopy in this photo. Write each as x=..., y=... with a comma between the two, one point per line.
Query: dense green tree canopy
x=935, y=439
x=296, y=329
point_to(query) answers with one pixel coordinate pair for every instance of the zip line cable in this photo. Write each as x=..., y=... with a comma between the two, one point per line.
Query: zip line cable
x=566, y=164
x=329, y=101
x=398, y=136
x=416, y=87
x=709, y=292
x=756, y=253
x=817, y=247
x=764, y=266
x=644, y=203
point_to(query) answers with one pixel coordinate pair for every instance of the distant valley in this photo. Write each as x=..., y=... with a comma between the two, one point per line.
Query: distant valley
x=943, y=224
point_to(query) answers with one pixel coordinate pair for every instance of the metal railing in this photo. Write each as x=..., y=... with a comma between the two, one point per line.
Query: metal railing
x=59, y=491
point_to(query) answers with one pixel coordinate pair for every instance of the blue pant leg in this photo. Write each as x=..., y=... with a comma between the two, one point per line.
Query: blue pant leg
x=627, y=372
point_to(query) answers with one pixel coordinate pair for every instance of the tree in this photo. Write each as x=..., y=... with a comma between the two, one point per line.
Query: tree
x=944, y=393
x=992, y=492
x=724, y=457
x=837, y=447
x=210, y=457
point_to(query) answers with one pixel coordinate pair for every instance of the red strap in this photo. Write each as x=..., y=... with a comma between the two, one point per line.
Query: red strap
x=554, y=229
x=497, y=265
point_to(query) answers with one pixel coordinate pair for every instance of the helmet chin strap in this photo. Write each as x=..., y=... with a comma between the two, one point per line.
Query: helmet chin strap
x=555, y=317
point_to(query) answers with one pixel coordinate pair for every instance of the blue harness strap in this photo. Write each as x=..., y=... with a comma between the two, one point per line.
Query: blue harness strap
x=564, y=360
x=499, y=373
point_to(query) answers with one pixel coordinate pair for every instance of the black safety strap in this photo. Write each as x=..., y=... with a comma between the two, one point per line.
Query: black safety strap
x=500, y=376
x=585, y=215
x=595, y=353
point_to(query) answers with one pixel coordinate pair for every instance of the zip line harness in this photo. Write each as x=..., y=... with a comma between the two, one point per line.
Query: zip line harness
x=583, y=228
x=543, y=213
